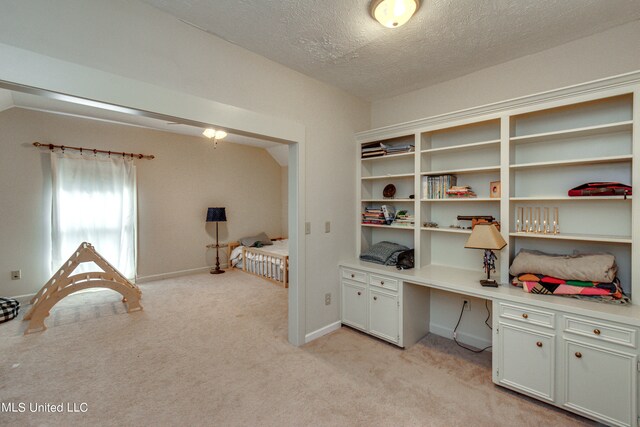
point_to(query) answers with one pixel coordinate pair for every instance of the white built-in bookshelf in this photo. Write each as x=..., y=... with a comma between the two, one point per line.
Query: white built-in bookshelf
x=538, y=152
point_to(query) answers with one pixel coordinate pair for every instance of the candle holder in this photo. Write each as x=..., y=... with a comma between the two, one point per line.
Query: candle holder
x=556, y=221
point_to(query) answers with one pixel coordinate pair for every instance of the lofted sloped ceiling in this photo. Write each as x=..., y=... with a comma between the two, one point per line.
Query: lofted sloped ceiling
x=336, y=41
x=10, y=99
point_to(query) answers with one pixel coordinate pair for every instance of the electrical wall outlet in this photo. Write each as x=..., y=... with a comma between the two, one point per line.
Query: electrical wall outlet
x=327, y=299
x=16, y=275
x=467, y=305
x=327, y=227
x=307, y=228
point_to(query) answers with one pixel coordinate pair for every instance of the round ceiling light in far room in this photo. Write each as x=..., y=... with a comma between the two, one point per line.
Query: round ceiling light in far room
x=214, y=134
x=393, y=13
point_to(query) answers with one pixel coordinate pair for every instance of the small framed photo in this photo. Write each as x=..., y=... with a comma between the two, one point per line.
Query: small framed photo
x=494, y=189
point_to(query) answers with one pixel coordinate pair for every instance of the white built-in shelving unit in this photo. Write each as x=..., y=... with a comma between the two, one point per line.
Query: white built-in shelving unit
x=538, y=151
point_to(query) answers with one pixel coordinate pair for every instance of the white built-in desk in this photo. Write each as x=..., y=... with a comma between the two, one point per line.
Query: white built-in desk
x=579, y=355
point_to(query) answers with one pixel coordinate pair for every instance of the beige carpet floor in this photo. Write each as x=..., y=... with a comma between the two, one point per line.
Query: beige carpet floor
x=212, y=350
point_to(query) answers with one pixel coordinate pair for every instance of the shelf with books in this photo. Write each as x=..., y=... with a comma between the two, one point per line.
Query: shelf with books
x=541, y=151
x=393, y=147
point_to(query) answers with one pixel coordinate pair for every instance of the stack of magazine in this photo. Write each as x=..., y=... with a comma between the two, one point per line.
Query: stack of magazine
x=397, y=149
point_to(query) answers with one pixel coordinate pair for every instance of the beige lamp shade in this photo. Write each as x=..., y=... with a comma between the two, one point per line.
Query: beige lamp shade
x=485, y=236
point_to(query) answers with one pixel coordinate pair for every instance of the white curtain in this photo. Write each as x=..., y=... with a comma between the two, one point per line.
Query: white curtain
x=94, y=200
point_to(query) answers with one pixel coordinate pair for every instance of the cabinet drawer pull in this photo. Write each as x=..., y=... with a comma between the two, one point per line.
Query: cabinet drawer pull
x=596, y=331
x=578, y=354
x=359, y=293
x=353, y=275
x=539, y=344
x=525, y=315
x=382, y=282
x=375, y=298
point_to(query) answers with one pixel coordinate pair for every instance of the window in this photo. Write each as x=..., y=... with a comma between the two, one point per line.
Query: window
x=94, y=200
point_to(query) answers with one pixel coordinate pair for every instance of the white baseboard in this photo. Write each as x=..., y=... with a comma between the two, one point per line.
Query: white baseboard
x=322, y=331
x=172, y=274
x=24, y=299
x=463, y=338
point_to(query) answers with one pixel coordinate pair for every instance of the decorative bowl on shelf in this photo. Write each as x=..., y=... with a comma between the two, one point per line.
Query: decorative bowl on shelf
x=389, y=191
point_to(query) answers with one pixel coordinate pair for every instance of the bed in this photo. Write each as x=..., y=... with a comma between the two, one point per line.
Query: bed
x=269, y=262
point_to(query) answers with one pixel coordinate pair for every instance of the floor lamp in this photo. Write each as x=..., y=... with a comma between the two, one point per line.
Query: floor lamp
x=216, y=215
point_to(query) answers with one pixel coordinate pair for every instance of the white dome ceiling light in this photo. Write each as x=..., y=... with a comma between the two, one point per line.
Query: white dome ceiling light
x=393, y=13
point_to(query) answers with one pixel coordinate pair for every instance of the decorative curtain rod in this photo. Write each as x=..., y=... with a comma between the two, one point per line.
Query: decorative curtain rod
x=95, y=151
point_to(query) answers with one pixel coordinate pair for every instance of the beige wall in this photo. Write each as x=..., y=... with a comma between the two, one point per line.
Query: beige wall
x=134, y=40
x=609, y=53
x=174, y=191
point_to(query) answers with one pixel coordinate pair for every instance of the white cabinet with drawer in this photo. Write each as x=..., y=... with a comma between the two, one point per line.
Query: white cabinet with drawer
x=525, y=352
x=583, y=364
x=355, y=307
x=384, y=315
x=600, y=383
x=527, y=361
x=600, y=355
x=371, y=303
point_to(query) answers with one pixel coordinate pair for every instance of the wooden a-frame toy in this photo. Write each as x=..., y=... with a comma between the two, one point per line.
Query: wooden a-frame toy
x=63, y=284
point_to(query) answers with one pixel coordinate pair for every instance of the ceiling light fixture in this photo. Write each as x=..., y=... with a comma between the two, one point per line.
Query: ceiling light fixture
x=393, y=13
x=215, y=135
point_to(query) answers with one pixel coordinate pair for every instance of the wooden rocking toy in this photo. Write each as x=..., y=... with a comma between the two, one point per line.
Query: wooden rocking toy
x=63, y=284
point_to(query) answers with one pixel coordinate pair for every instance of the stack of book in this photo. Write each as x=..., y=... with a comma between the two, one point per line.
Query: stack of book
x=436, y=187
x=404, y=219
x=373, y=216
x=460, y=192
x=397, y=149
x=373, y=150
x=384, y=215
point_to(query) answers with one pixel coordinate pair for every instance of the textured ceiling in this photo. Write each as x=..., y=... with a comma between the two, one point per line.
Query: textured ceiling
x=336, y=41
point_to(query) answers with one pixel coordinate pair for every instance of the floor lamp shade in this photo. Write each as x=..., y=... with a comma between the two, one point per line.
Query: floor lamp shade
x=216, y=215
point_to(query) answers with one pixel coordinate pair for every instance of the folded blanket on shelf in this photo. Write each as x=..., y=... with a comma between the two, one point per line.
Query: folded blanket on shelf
x=547, y=285
x=580, y=267
x=385, y=253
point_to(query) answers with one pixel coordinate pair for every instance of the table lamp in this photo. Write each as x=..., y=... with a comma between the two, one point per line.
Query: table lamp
x=216, y=215
x=487, y=237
